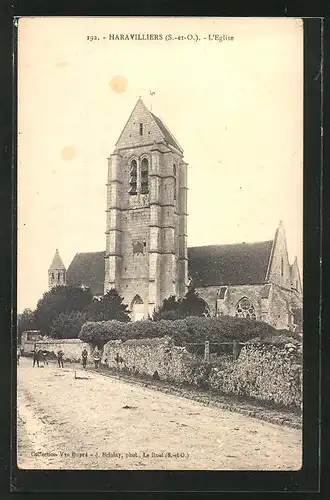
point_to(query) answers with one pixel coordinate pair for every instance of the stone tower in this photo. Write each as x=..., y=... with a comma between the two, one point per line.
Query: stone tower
x=56, y=272
x=146, y=224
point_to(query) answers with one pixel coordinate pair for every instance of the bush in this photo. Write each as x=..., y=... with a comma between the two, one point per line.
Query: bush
x=191, y=329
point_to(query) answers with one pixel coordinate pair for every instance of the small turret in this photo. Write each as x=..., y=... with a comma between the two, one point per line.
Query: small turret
x=56, y=272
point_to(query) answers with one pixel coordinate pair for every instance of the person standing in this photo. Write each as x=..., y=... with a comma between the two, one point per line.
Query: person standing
x=44, y=357
x=84, y=355
x=97, y=358
x=35, y=356
x=40, y=357
x=60, y=355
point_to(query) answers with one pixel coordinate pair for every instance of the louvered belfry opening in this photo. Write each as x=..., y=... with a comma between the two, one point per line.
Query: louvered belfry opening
x=133, y=178
x=144, y=176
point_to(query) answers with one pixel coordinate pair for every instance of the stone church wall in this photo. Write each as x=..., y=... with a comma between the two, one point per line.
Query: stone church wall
x=279, y=309
x=227, y=306
x=280, y=252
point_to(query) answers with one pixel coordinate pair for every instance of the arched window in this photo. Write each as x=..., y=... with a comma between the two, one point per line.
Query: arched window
x=133, y=178
x=282, y=266
x=53, y=277
x=137, y=308
x=174, y=173
x=58, y=276
x=144, y=176
x=245, y=309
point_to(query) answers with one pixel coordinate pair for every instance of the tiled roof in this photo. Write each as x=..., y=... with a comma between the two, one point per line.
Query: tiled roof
x=57, y=263
x=87, y=269
x=166, y=133
x=211, y=265
x=238, y=264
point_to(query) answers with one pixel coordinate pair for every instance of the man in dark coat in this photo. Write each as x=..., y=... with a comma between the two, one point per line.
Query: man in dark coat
x=60, y=355
x=84, y=355
x=35, y=356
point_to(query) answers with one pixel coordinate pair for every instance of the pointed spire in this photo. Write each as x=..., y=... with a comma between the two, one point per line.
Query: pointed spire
x=57, y=263
x=158, y=130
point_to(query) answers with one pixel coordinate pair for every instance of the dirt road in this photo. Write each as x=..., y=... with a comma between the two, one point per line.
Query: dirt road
x=95, y=422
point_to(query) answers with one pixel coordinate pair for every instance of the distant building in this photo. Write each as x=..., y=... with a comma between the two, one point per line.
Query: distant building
x=56, y=272
x=146, y=257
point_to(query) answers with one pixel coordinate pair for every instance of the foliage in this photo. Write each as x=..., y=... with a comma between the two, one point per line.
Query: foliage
x=267, y=372
x=193, y=305
x=68, y=325
x=26, y=321
x=190, y=305
x=109, y=307
x=170, y=309
x=60, y=300
x=190, y=329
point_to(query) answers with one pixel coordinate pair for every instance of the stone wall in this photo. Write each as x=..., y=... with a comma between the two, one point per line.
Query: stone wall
x=71, y=347
x=264, y=372
x=147, y=356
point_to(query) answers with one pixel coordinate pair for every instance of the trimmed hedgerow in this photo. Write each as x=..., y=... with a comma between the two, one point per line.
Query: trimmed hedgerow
x=191, y=329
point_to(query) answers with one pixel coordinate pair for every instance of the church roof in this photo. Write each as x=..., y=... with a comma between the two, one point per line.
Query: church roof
x=57, y=263
x=211, y=265
x=157, y=130
x=235, y=264
x=87, y=269
x=169, y=138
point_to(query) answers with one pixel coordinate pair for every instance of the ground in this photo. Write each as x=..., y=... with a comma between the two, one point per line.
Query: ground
x=97, y=422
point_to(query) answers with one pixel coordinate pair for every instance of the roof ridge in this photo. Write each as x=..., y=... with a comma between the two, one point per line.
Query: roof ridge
x=232, y=244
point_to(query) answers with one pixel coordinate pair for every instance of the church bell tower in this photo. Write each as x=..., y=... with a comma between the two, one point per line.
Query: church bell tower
x=56, y=272
x=146, y=223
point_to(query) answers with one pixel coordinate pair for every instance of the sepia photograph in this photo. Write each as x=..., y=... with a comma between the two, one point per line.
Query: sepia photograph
x=160, y=243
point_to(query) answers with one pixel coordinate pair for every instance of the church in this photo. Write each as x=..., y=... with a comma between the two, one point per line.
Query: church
x=146, y=257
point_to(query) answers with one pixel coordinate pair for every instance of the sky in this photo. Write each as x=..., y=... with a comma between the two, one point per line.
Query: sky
x=235, y=107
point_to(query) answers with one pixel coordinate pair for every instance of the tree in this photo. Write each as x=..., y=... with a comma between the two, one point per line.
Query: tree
x=68, y=325
x=25, y=321
x=193, y=305
x=170, y=310
x=60, y=300
x=190, y=305
x=108, y=307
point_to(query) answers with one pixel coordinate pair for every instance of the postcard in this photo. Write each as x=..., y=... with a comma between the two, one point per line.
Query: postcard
x=160, y=237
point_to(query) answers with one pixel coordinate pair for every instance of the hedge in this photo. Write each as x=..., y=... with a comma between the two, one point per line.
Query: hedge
x=191, y=329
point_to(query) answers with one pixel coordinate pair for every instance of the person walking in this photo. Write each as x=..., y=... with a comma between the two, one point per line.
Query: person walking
x=60, y=355
x=97, y=358
x=84, y=355
x=35, y=356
